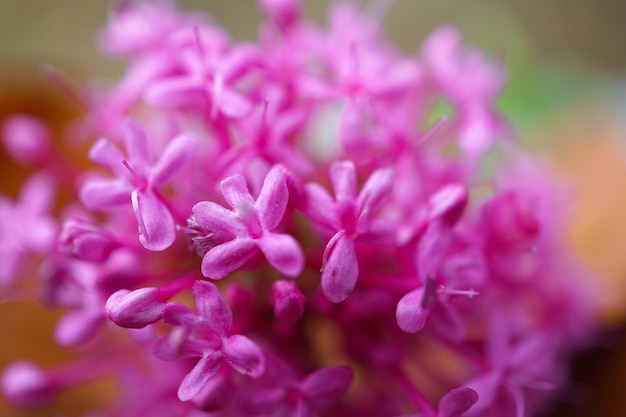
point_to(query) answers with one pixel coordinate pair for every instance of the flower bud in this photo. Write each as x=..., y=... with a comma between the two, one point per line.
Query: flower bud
x=26, y=385
x=86, y=242
x=26, y=139
x=135, y=309
x=288, y=300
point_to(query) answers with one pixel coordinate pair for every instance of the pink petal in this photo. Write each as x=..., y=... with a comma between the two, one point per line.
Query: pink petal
x=76, y=327
x=212, y=306
x=175, y=159
x=244, y=356
x=319, y=205
x=174, y=92
x=378, y=186
x=216, y=218
x=199, y=376
x=177, y=314
x=272, y=199
x=283, y=252
x=137, y=144
x=236, y=193
x=105, y=154
x=457, y=402
x=105, y=194
x=341, y=271
x=157, y=230
x=327, y=383
x=225, y=258
x=343, y=177
x=410, y=313
x=233, y=104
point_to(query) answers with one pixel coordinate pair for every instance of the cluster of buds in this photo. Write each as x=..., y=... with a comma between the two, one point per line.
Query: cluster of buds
x=288, y=228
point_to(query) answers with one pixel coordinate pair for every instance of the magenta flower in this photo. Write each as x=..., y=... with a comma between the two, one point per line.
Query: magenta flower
x=206, y=334
x=138, y=180
x=26, y=227
x=249, y=227
x=348, y=217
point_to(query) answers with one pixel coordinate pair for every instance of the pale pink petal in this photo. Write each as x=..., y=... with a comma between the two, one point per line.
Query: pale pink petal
x=174, y=92
x=105, y=154
x=343, y=177
x=227, y=257
x=178, y=314
x=341, y=271
x=319, y=205
x=327, y=383
x=195, y=380
x=283, y=252
x=136, y=143
x=233, y=104
x=272, y=199
x=216, y=218
x=77, y=327
x=244, y=356
x=212, y=306
x=175, y=159
x=105, y=194
x=157, y=230
x=236, y=193
x=378, y=186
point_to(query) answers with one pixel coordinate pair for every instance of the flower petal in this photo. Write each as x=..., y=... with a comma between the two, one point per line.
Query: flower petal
x=327, y=383
x=104, y=194
x=283, y=252
x=272, y=199
x=157, y=230
x=176, y=158
x=216, y=218
x=457, y=402
x=378, y=186
x=105, y=154
x=341, y=271
x=137, y=144
x=343, y=177
x=225, y=258
x=212, y=306
x=244, y=356
x=195, y=380
x=236, y=193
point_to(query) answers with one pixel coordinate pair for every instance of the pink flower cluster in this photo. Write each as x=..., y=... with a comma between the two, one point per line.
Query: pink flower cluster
x=348, y=252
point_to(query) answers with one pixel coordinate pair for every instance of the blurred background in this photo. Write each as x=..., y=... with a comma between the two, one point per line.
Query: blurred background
x=566, y=98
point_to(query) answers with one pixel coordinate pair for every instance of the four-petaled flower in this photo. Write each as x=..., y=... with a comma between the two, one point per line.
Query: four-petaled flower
x=348, y=217
x=248, y=227
x=138, y=180
x=206, y=334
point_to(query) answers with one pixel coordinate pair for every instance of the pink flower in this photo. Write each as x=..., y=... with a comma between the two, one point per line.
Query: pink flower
x=138, y=180
x=206, y=334
x=348, y=217
x=249, y=227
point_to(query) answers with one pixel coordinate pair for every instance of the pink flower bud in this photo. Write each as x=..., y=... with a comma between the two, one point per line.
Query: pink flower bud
x=26, y=139
x=288, y=300
x=26, y=385
x=135, y=309
x=85, y=241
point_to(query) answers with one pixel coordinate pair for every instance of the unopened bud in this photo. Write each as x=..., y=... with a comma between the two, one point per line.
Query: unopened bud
x=288, y=300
